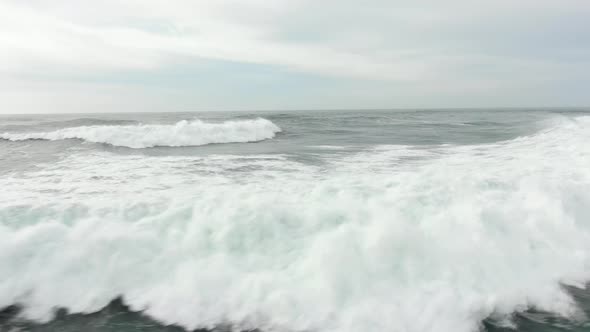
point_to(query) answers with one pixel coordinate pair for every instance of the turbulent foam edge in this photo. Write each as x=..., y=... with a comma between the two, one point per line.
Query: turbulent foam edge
x=182, y=133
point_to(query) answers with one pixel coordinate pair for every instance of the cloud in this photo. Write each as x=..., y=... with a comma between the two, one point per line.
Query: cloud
x=425, y=45
x=381, y=40
x=50, y=37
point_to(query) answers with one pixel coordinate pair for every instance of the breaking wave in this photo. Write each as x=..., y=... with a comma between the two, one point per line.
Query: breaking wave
x=182, y=133
x=403, y=239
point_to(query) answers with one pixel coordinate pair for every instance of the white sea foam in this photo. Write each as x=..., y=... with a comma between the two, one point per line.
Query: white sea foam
x=182, y=133
x=435, y=244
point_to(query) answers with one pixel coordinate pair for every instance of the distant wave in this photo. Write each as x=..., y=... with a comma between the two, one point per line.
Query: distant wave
x=182, y=133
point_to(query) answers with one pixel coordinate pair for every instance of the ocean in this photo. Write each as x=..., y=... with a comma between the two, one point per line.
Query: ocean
x=299, y=221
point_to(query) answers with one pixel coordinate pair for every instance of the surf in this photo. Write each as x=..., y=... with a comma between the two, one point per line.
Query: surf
x=394, y=238
x=182, y=133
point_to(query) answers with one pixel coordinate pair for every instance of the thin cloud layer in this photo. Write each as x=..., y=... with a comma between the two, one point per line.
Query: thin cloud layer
x=421, y=45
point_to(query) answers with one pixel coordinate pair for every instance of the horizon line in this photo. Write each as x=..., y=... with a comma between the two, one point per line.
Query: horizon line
x=479, y=108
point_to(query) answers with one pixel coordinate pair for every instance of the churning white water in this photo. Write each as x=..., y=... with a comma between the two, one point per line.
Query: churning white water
x=392, y=238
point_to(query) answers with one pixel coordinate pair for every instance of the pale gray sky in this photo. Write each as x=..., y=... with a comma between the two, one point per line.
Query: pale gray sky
x=181, y=55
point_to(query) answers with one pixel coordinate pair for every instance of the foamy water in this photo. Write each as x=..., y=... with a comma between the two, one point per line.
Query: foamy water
x=384, y=237
x=182, y=133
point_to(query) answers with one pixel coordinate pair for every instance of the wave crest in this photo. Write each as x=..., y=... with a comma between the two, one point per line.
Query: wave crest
x=182, y=133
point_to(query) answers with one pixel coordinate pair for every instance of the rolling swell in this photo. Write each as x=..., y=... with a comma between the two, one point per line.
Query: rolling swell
x=182, y=133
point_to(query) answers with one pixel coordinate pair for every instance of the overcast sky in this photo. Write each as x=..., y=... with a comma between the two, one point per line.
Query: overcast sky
x=181, y=55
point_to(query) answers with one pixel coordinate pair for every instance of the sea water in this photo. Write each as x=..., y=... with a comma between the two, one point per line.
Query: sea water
x=410, y=221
